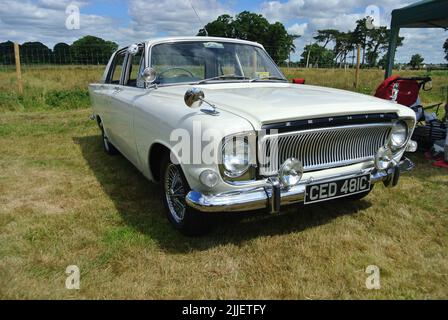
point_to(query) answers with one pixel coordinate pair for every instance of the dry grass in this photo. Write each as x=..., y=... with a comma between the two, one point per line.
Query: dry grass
x=65, y=88
x=64, y=202
x=369, y=79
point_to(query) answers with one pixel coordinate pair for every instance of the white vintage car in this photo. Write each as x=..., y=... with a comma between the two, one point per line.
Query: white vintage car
x=216, y=123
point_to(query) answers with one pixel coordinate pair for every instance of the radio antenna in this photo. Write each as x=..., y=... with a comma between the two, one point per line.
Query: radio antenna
x=197, y=15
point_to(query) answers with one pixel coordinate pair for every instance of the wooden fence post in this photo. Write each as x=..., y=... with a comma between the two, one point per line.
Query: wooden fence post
x=18, y=68
x=357, y=66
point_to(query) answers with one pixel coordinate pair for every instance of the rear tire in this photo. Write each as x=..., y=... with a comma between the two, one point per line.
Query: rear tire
x=108, y=147
x=173, y=189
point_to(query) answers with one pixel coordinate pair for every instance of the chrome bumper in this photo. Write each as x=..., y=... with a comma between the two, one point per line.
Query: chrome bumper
x=272, y=196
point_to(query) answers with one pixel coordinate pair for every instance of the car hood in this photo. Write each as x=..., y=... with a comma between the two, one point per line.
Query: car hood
x=263, y=103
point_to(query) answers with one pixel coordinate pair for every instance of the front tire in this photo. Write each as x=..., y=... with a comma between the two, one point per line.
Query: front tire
x=174, y=188
x=359, y=196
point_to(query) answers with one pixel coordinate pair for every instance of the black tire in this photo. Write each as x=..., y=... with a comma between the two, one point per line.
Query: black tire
x=108, y=147
x=183, y=218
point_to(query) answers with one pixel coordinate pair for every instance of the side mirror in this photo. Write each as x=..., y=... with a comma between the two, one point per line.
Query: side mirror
x=149, y=75
x=194, y=97
x=133, y=49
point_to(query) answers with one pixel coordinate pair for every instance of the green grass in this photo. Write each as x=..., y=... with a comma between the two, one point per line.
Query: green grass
x=59, y=88
x=370, y=79
x=64, y=202
x=48, y=89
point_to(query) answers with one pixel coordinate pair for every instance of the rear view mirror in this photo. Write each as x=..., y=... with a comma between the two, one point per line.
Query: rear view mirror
x=427, y=86
x=133, y=49
x=194, y=97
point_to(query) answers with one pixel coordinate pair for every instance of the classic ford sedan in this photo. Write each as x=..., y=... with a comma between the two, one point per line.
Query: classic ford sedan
x=218, y=126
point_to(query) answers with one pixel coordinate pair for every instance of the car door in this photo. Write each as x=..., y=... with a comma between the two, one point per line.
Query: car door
x=122, y=101
x=109, y=114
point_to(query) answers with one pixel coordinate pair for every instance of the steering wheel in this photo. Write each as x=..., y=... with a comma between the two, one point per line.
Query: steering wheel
x=191, y=75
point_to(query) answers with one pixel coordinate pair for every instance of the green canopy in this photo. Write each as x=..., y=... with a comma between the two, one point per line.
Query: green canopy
x=422, y=14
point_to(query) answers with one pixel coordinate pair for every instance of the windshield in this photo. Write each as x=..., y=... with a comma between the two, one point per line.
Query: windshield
x=211, y=61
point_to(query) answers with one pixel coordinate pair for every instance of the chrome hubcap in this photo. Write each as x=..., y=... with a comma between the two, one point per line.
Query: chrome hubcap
x=175, y=193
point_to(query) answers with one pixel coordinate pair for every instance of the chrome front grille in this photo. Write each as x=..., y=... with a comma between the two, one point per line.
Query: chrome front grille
x=322, y=148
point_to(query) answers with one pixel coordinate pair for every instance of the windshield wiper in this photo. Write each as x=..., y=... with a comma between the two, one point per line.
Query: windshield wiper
x=223, y=76
x=267, y=78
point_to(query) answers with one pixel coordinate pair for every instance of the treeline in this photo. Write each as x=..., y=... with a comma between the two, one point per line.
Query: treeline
x=330, y=47
x=373, y=42
x=254, y=27
x=86, y=50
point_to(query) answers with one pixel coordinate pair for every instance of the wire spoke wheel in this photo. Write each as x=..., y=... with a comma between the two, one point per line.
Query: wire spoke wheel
x=175, y=192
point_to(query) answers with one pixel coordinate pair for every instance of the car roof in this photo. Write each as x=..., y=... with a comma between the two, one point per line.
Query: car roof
x=197, y=38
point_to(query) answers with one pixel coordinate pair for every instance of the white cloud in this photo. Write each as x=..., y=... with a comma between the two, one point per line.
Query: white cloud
x=298, y=29
x=281, y=11
x=343, y=22
x=342, y=15
x=174, y=17
x=44, y=20
x=426, y=42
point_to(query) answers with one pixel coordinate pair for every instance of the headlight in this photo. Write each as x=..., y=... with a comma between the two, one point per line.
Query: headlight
x=209, y=178
x=235, y=158
x=291, y=172
x=383, y=158
x=399, y=135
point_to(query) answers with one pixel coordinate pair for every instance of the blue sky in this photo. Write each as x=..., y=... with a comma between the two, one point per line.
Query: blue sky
x=128, y=21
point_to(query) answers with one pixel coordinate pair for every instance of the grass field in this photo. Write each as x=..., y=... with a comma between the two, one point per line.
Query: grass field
x=64, y=202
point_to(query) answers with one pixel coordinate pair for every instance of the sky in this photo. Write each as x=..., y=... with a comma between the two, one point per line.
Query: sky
x=129, y=21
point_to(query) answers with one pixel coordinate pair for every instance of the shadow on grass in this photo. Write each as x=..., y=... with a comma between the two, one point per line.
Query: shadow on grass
x=138, y=202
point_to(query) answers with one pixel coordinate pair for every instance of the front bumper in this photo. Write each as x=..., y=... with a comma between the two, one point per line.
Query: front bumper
x=272, y=196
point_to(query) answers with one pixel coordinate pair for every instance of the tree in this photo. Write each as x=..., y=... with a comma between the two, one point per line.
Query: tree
x=378, y=41
x=445, y=47
x=325, y=36
x=373, y=41
x=92, y=50
x=7, y=52
x=344, y=44
x=61, y=53
x=254, y=27
x=278, y=43
x=360, y=35
x=221, y=27
x=383, y=62
x=35, y=52
x=416, y=61
x=318, y=55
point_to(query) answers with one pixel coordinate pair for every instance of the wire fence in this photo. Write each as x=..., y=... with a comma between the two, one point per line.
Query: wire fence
x=36, y=55
x=39, y=58
x=32, y=57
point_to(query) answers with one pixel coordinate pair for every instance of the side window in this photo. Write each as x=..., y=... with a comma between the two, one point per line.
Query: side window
x=115, y=74
x=135, y=68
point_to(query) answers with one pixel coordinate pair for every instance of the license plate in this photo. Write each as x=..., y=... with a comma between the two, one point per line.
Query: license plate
x=336, y=189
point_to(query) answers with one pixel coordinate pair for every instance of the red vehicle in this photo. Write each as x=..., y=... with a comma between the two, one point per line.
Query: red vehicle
x=405, y=91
